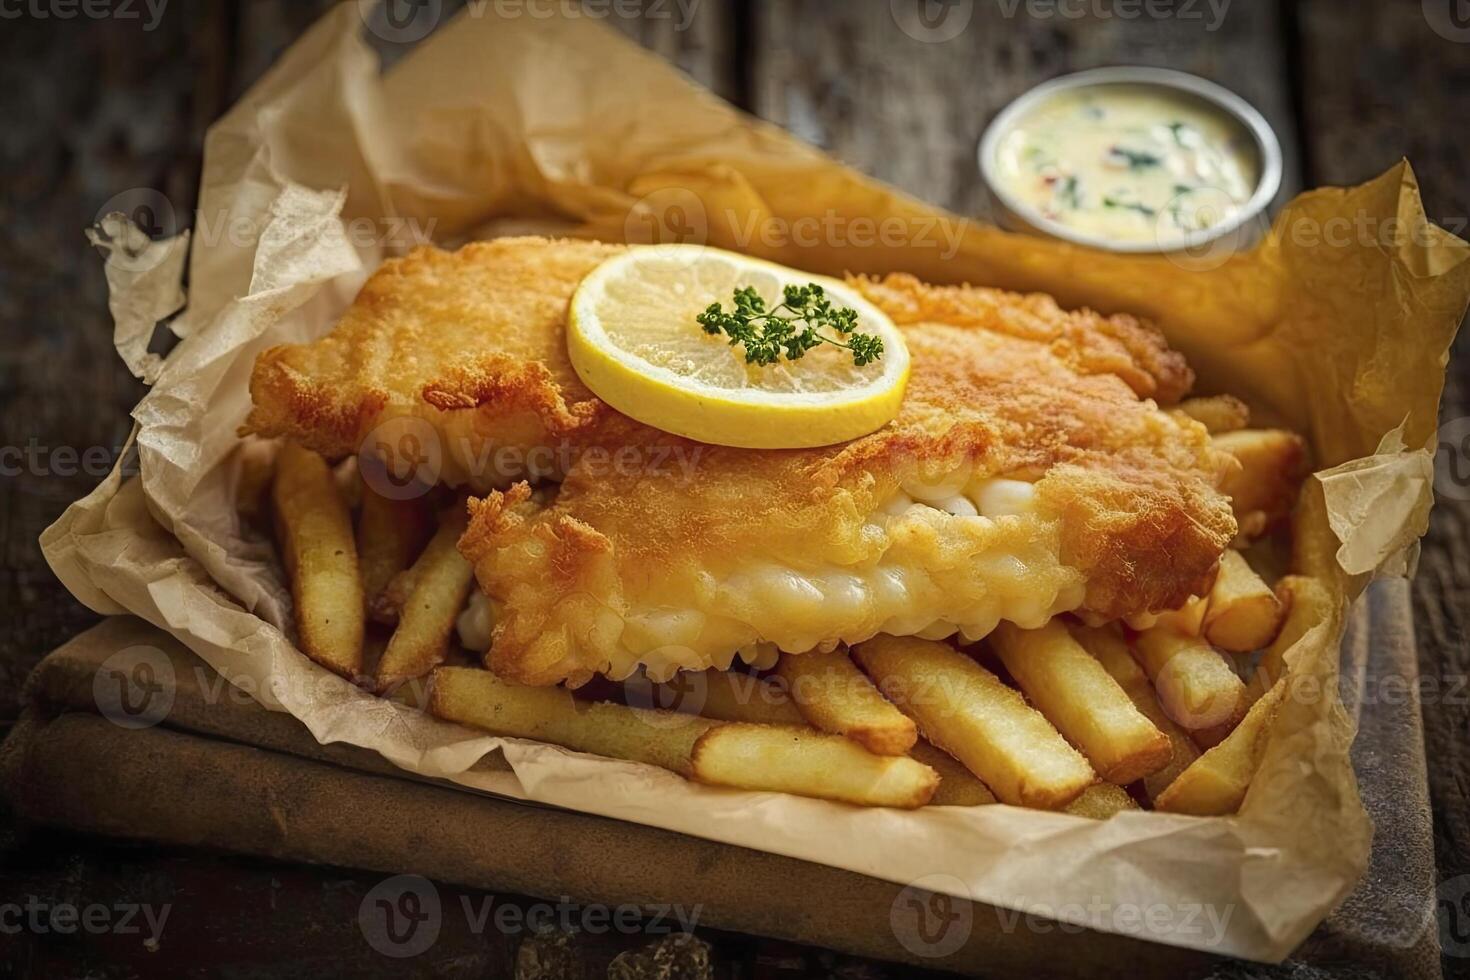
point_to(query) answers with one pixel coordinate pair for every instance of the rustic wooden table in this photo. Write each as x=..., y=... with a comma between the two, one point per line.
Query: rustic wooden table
x=95, y=105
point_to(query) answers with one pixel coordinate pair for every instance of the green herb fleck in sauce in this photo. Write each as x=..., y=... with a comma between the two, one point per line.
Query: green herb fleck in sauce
x=1143, y=209
x=1136, y=159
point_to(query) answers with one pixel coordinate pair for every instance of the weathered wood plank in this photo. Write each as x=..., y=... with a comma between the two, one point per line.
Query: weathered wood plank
x=100, y=107
x=696, y=36
x=264, y=29
x=860, y=80
x=1381, y=81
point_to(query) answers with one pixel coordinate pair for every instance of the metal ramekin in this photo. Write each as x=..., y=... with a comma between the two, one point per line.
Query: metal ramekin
x=1241, y=229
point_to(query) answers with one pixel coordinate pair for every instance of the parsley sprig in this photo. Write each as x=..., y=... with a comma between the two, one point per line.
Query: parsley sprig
x=793, y=326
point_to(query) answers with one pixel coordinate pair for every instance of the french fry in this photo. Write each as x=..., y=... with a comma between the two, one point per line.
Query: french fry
x=787, y=759
x=834, y=696
x=957, y=785
x=1196, y=686
x=1243, y=613
x=965, y=710
x=806, y=762
x=1082, y=700
x=413, y=692
x=315, y=534
x=389, y=536
x=442, y=582
x=1216, y=783
x=253, y=477
x=733, y=696
x=387, y=605
x=1217, y=413
x=1273, y=463
x=1308, y=604
x=476, y=697
x=1188, y=618
x=1111, y=650
x=1100, y=801
x=349, y=484
x=727, y=695
x=1208, y=738
x=1313, y=555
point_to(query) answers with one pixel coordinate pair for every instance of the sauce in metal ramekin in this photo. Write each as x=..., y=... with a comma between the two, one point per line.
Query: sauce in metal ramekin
x=1131, y=159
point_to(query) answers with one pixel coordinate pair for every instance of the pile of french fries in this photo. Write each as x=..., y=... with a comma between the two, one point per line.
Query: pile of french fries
x=1167, y=711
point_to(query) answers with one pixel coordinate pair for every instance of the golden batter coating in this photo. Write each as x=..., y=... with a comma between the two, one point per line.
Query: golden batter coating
x=1030, y=472
x=472, y=342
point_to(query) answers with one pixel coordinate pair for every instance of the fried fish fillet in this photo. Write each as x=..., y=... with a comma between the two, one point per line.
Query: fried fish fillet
x=471, y=344
x=1030, y=472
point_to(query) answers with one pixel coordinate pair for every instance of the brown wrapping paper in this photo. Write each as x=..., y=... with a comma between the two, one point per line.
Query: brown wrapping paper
x=326, y=166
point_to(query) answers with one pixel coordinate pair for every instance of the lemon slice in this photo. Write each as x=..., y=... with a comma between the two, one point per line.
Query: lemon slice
x=633, y=339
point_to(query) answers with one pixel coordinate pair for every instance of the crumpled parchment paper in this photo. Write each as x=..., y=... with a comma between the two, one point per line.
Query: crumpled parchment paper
x=492, y=124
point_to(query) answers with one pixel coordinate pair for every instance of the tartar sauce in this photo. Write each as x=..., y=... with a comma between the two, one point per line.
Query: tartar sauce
x=1129, y=162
